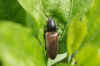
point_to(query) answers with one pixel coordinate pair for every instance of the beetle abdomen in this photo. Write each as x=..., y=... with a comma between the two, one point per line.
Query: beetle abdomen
x=51, y=44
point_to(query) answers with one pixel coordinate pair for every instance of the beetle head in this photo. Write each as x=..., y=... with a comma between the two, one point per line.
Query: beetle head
x=51, y=25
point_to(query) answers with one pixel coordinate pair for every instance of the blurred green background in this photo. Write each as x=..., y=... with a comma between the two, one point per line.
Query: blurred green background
x=22, y=24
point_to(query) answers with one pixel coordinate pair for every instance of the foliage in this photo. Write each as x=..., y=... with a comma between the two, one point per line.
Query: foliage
x=22, y=24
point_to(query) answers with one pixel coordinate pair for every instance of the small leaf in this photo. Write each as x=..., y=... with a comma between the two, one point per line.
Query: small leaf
x=76, y=34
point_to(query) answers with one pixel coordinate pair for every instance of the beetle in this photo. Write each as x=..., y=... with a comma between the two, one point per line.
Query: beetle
x=51, y=39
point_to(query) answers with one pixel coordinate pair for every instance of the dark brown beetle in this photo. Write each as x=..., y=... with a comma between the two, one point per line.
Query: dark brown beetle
x=51, y=39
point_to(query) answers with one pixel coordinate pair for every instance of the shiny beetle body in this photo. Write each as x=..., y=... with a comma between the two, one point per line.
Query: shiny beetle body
x=51, y=39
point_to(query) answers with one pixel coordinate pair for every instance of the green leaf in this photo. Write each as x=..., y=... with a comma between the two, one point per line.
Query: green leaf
x=77, y=28
x=93, y=19
x=33, y=7
x=89, y=55
x=77, y=11
x=11, y=10
x=18, y=47
x=80, y=7
x=76, y=34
